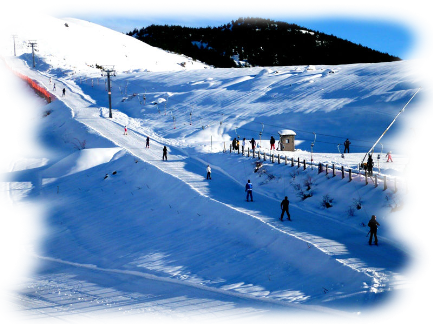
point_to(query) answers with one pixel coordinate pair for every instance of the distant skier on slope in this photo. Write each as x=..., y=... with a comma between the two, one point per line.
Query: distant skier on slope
x=346, y=145
x=63, y=92
x=389, y=156
x=370, y=165
x=243, y=146
x=164, y=153
x=54, y=87
x=285, y=208
x=249, y=190
x=147, y=142
x=253, y=144
x=125, y=132
x=373, y=224
x=208, y=170
x=234, y=144
x=272, y=142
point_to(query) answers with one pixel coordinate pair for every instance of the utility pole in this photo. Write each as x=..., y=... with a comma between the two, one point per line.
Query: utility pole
x=109, y=70
x=426, y=141
x=15, y=51
x=33, y=44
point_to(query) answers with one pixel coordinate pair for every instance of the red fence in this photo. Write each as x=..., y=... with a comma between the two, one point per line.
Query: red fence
x=37, y=88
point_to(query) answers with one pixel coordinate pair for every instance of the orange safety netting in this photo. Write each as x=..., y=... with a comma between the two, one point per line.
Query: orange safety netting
x=38, y=89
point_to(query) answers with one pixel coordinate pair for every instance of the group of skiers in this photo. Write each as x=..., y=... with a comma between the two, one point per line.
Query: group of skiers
x=235, y=143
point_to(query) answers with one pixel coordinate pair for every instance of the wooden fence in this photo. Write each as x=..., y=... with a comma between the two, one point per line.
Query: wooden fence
x=327, y=169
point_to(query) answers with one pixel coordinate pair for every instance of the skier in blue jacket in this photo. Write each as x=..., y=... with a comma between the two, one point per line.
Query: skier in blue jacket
x=249, y=190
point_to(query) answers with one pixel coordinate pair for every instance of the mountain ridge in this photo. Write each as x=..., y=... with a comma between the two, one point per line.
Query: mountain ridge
x=258, y=42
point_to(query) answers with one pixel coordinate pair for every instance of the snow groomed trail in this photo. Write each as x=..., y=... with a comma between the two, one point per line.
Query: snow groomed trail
x=309, y=233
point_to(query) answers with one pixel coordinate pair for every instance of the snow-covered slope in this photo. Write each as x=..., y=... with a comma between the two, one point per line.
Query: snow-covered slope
x=80, y=46
x=126, y=233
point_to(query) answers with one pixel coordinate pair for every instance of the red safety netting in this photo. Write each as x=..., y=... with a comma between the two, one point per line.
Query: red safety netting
x=38, y=89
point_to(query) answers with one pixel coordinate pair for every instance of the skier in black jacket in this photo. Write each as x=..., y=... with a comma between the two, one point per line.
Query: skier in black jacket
x=346, y=145
x=164, y=153
x=373, y=224
x=285, y=208
x=272, y=142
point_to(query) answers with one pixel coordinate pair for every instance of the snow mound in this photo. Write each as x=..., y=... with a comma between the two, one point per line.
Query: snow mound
x=80, y=161
x=265, y=71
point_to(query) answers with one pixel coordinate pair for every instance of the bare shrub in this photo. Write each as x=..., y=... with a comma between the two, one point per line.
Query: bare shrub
x=79, y=145
x=327, y=201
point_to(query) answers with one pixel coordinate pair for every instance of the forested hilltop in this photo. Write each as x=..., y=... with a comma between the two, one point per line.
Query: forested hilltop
x=258, y=42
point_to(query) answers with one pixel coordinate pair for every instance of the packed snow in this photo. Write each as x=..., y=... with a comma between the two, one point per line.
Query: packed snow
x=120, y=233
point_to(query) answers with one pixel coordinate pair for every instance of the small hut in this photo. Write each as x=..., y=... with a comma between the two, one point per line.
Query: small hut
x=287, y=140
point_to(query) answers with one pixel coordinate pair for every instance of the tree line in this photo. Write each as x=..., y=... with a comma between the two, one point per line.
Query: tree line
x=258, y=42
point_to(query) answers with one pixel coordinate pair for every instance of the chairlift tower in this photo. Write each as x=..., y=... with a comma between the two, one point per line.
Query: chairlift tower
x=425, y=140
x=109, y=71
x=33, y=45
x=15, y=51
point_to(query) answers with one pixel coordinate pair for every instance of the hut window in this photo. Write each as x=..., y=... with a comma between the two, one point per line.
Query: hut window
x=287, y=140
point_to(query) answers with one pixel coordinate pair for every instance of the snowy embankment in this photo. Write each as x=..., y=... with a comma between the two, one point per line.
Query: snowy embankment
x=116, y=214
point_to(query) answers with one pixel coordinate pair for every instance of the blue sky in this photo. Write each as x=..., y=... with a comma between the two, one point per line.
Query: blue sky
x=398, y=28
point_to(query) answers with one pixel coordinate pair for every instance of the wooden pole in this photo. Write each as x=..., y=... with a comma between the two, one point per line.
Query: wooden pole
x=342, y=172
x=350, y=175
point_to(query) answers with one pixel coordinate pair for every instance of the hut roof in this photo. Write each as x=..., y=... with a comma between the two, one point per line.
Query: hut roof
x=286, y=132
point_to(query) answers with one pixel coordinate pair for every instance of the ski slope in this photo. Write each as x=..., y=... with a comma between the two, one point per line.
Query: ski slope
x=127, y=234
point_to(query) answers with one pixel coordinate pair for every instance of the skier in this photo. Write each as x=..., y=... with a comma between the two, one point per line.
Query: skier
x=373, y=224
x=54, y=87
x=125, y=132
x=285, y=208
x=63, y=92
x=370, y=165
x=346, y=145
x=147, y=142
x=389, y=156
x=243, y=146
x=411, y=153
x=237, y=145
x=253, y=144
x=406, y=172
x=234, y=144
x=272, y=141
x=208, y=170
x=164, y=153
x=249, y=190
